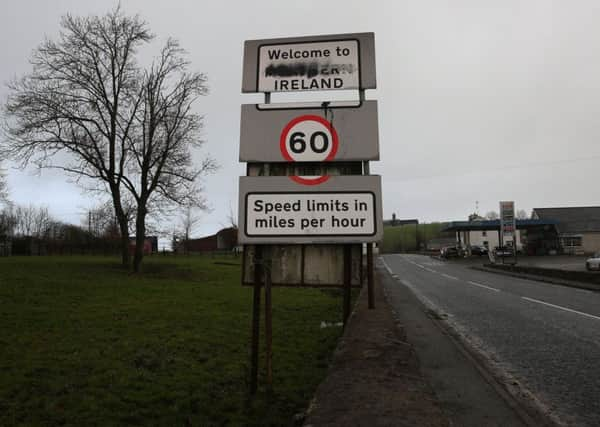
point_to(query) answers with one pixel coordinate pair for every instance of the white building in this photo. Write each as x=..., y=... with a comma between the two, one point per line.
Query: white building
x=488, y=238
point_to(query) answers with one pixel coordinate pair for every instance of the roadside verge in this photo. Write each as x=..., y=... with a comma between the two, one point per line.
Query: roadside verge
x=515, y=272
x=375, y=378
x=467, y=391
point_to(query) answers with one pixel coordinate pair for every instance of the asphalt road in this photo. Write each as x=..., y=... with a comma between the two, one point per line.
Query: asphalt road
x=546, y=337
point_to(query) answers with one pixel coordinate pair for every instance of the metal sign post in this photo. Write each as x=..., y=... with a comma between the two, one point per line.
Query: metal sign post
x=268, y=321
x=255, y=320
x=347, y=282
x=370, y=272
x=308, y=203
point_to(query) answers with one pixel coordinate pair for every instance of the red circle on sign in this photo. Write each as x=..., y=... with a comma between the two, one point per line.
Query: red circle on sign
x=308, y=117
x=309, y=181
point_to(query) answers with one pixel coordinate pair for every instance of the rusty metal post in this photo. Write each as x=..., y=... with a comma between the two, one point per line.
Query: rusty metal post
x=255, y=319
x=370, y=276
x=347, y=281
x=268, y=320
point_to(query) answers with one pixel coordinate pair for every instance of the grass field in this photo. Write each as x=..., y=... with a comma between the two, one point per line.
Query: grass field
x=85, y=343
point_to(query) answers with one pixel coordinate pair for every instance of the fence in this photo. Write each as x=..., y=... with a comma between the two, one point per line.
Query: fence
x=5, y=248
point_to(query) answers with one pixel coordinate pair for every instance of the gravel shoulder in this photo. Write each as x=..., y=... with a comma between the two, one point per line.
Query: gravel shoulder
x=375, y=378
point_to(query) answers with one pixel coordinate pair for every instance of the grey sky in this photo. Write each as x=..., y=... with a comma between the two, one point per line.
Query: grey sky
x=478, y=100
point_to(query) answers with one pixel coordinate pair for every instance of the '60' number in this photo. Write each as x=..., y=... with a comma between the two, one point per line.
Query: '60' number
x=308, y=138
x=319, y=142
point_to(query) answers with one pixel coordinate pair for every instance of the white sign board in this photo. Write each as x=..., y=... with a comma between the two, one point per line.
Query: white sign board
x=325, y=214
x=343, y=209
x=330, y=62
x=307, y=132
x=308, y=66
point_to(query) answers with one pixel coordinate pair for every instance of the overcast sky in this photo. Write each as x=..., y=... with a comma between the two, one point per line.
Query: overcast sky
x=478, y=100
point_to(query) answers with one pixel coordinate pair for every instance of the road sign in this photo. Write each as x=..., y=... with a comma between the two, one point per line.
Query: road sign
x=309, y=132
x=343, y=209
x=340, y=61
x=507, y=219
x=307, y=230
x=308, y=138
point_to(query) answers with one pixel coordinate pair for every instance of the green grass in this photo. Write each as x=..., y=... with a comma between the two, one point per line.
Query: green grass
x=84, y=343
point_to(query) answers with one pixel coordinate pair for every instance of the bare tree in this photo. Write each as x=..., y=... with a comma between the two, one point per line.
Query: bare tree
x=522, y=214
x=24, y=216
x=81, y=98
x=189, y=221
x=98, y=219
x=41, y=222
x=31, y=221
x=3, y=188
x=232, y=220
x=491, y=215
x=7, y=223
x=101, y=221
x=167, y=130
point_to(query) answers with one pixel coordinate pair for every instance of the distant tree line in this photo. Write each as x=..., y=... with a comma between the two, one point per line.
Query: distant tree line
x=31, y=230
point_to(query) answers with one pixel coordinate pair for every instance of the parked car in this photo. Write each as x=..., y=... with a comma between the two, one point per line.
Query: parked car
x=479, y=250
x=449, y=252
x=593, y=263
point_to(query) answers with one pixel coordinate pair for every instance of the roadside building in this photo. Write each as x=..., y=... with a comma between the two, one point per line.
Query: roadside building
x=223, y=240
x=533, y=236
x=227, y=239
x=395, y=222
x=549, y=231
x=481, y=232
x=578, y=228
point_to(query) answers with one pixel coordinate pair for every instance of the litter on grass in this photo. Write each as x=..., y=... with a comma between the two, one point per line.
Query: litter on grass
x=330, y=324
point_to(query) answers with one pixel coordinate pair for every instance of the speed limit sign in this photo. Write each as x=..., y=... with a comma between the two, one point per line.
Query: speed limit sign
x=308, y=138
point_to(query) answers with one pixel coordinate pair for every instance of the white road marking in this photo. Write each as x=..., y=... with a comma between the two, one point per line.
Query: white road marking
x=406, y=283
x=430, y=270
x=449, y=277
x=387, y=267
x=419, y=265
x=561, y=308
x=483, y=286
x=420, y=295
